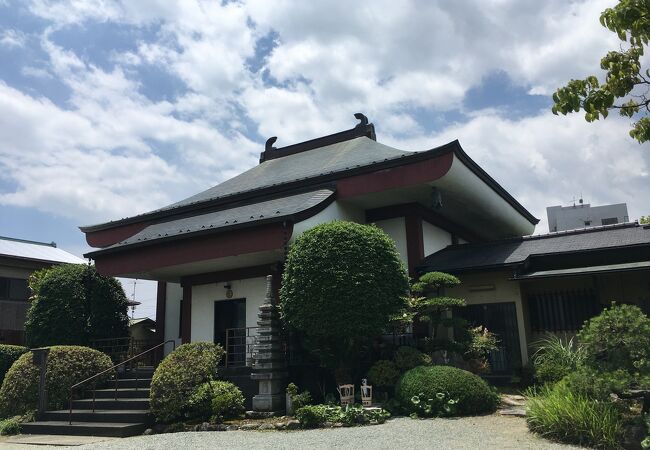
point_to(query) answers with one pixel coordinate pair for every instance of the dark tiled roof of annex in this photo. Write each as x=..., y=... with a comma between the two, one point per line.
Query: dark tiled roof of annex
x=515, y=251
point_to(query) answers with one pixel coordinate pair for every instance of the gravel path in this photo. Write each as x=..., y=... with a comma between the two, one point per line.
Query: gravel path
x=485, y=432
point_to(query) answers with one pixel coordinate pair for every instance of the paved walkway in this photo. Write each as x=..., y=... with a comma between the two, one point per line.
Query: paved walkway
x=485, y=432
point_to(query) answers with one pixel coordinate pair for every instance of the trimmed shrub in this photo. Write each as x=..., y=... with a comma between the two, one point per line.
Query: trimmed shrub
x=73, y=304
x=216, y=401
x=555, y=358
x=472, y=394
x=66, y=365
x=407, y=358
x=8, y=355
x=342, y=282
x=9, y=427
x=616, y=346
x=179, y=375
x=557, y=412
x=383, y=373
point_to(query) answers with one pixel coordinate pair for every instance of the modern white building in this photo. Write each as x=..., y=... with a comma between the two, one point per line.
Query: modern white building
x=583, y=215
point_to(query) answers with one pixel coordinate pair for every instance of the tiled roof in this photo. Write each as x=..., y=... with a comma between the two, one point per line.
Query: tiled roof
x=333, y=158
x=36, y=251
x=515, y=251
x=269, y=210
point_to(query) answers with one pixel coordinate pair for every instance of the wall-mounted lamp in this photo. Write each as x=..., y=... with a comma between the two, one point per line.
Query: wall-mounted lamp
x=228, y=288
x=436, y=198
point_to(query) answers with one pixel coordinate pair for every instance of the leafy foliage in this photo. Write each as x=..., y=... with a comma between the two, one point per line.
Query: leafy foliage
x=616, y=347
x=558, y=412
x=342, y=283
x=298, y=400
x=8, y=355
x=9, y=427
x=383, y=373
x=555, y=358
x=73, y=304
x=216, y=401
x=440, y=405
x=319, y=415
x=66, y=365
x=482, y=341
x=407, y=358
x=644, y=220
x=625, y=80
x=473, y=394
x=179, y=375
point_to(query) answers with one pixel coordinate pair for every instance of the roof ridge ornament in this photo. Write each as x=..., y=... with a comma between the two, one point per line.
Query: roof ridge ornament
x=363, y=128
x=269, y=143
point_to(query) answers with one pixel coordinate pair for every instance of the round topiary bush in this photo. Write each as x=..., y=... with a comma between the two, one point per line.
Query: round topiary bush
x=473, y=394
x=179, y=375
x=383, y=373
x=8, y=355
x=407, y=358
x=66, y=365
x=342, y=282
x=74, y=304
x=216, y=401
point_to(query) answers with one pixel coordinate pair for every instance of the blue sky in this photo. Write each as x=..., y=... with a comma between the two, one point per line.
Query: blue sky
x=109, y=109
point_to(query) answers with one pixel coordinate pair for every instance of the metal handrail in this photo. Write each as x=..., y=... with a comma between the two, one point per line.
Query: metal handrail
x=94, y=377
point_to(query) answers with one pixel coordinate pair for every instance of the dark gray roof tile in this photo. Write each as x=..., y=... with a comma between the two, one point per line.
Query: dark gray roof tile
x=283, y=207
x=515, y=251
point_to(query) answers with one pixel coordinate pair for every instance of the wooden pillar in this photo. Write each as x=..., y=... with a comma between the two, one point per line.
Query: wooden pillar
x=414, y=242
x=186, y=315
x=161, y=305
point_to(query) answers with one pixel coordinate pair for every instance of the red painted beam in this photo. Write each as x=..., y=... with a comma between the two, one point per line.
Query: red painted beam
x=396, y=177
x=110, y=236
x=198, y=248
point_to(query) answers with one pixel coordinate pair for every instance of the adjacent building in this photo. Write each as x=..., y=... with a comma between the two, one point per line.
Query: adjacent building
x=583, y=215
x=18, y=260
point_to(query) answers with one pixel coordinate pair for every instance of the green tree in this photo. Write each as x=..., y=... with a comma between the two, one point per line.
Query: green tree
x=73, y=304
x=644, y=220
x=626, y=83
x=342, y=283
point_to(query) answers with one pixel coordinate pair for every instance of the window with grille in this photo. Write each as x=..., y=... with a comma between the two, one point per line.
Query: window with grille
x=562, y=310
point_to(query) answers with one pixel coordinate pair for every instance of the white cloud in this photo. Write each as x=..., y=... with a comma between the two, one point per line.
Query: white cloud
x=388, y=59
x=13, y=38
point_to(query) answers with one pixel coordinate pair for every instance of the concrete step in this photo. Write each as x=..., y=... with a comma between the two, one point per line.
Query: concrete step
x=100, y=415
x=110, y=403
x=122, y=393
x=109, y=429
x=129, y=383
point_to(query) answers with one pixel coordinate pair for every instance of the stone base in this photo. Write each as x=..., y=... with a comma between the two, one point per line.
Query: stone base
x=263, y=414
x=269, y=402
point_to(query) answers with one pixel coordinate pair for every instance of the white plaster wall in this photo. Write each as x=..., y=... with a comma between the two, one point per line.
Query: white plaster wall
x=434, y=238
x=173, y=314
x=204, y=296
x=504, y=291
x=334, y=211
x=396, y=229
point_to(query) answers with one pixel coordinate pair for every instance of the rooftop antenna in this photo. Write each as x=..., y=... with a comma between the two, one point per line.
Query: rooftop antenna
x=133, y=298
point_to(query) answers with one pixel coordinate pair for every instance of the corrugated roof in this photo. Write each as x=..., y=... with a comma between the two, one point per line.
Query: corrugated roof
x=270, y=210
x=515, y=251
x=37, y=251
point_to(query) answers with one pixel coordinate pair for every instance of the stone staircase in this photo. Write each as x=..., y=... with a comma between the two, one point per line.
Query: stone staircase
x=117, y=414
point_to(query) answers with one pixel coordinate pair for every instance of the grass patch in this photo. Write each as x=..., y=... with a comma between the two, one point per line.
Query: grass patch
x=558, y=413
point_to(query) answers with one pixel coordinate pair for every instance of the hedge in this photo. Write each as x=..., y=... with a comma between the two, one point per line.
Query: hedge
x=8, y=355
x=179, y=375
x=66, y=365
x=470, y=392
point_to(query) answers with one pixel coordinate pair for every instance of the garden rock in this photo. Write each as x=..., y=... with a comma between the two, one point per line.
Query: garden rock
x=267, y=426
x=293, y=425
x=249, y=426
x=148, y=432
